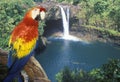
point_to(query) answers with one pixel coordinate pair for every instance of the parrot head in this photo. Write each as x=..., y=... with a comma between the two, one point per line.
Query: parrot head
x=36, y=13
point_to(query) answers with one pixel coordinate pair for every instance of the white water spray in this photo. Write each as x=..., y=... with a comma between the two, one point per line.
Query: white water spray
x=65, y=20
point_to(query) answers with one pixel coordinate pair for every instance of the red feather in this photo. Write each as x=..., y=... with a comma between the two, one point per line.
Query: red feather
x=26, y=29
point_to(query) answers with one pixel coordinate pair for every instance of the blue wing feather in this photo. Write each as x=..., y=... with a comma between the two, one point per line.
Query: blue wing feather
x=10, y=59
x=16, y=65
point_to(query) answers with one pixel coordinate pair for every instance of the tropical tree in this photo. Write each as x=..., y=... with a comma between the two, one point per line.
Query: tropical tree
x=11, y=12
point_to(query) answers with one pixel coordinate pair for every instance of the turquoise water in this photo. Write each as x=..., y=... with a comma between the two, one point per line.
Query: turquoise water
x=76, y=55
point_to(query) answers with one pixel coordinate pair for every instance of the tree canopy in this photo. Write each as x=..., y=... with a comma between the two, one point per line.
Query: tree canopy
x=11, y=13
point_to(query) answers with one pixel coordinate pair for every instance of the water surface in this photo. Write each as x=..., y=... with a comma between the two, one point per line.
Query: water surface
x=76, y=55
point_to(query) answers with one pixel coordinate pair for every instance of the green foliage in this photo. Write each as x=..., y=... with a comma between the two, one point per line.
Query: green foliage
x=11, y=12
x=100, y=13
x=115, y=16
x=67, y=75
x=74, y=2
x=38, y=0
x=100, y=7
x=103, y=31
x=41, y=27
x=109, y=72
x=60, y=0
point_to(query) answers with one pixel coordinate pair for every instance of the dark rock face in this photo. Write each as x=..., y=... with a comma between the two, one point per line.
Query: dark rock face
x=53, y=10
x=54, y=18
x=52, y=27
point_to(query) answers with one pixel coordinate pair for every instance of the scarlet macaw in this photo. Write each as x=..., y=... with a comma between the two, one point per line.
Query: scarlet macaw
x=23, y=41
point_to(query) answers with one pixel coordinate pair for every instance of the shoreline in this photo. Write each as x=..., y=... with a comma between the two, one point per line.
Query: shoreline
x=90, y=35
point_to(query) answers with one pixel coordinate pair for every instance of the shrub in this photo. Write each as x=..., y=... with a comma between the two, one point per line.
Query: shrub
x=109, y=72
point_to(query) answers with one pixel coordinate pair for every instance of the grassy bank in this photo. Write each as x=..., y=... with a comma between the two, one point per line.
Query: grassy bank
x=106, y=31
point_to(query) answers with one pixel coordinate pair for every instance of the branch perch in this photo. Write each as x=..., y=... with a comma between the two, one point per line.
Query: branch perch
x=33, y=68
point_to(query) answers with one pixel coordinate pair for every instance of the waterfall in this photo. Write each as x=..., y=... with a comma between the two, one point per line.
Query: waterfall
x=65, y=20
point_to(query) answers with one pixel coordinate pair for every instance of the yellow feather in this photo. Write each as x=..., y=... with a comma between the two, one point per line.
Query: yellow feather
x=23, y=48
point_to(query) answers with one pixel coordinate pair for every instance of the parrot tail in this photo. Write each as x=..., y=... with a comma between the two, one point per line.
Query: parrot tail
x=16, y=67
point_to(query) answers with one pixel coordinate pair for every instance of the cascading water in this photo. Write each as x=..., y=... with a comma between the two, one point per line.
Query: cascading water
x=65, y=20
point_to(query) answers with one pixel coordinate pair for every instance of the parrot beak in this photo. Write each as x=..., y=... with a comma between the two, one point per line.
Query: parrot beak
x=42, y=15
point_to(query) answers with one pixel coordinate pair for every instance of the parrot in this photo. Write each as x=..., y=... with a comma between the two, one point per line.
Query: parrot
x=23, y=42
